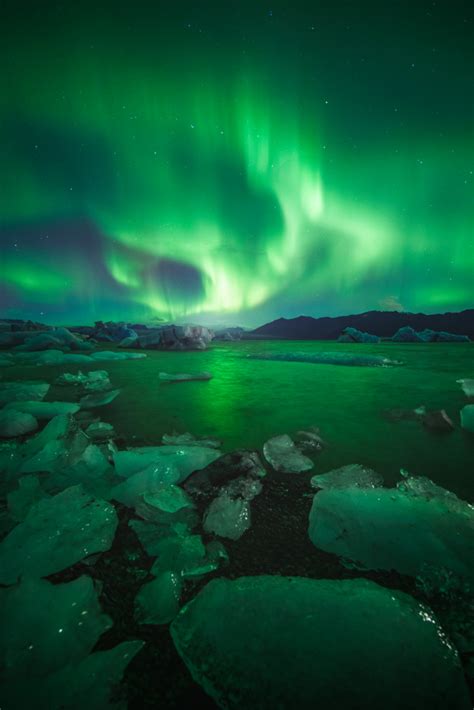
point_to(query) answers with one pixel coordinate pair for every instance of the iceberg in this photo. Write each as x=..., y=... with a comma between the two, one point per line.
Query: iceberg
x=424, y=487
x=310, y=440
x=51, y=357
x=89, y=468
x=100, y=431
x=183, y=554
x=184, y=377
x=21, y=499
x=58, y=357
x=154, y=497
x=43, y=410
x=352, y=335
x=96, y=380
x=407, y=334
x=111, y=355
x=157, y=602
x=283, y=642
x=228, y=517
x=98, y=399
x=57, y=428
x=383, y=528
x=42, y=341
x=188, y=439
x=54, y=338
x=209, y=480
x=330, y=358
x=185, y=458
x=92, y=682
x=352, y=475
x=169, y=499
x=55, y=446
x=21, y=391
x=56, y=533
x=42, y=629
x=48, y=634
x=16, y=423
x=284, y=456
x=148, y=482
x=151, y=534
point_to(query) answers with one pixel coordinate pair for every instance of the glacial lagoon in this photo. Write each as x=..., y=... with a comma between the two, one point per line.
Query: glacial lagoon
x=152, y=535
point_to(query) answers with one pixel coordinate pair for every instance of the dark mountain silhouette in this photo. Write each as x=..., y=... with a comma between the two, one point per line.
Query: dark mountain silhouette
x=382, y=323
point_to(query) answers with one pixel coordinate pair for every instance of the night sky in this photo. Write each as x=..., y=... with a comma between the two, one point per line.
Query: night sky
x=234, y=162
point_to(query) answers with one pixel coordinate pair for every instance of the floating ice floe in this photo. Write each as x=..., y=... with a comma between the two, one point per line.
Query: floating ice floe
x=112, y=355
x=352, y=475
x=22, y=391
x=188, y=439
x=56, y=533
x=330, y=358
x=326, y=644
x=16, y=423
x=284, y=456
x=310, y=440
x=58, y=357
x=98, y=399
x=184, y=377
x=48, y=633
x=51, y=357
x=467, y=417
x=467, y=387
x=94, y=381
x=407, y=529
x=43, y=410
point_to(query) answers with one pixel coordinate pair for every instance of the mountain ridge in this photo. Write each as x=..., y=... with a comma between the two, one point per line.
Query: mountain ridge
x=381, y=323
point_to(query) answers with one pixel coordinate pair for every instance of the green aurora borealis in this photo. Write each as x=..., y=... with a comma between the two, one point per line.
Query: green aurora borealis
x=233, y=163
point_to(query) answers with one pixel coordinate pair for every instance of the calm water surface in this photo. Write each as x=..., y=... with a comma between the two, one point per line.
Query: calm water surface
x=248, y=401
